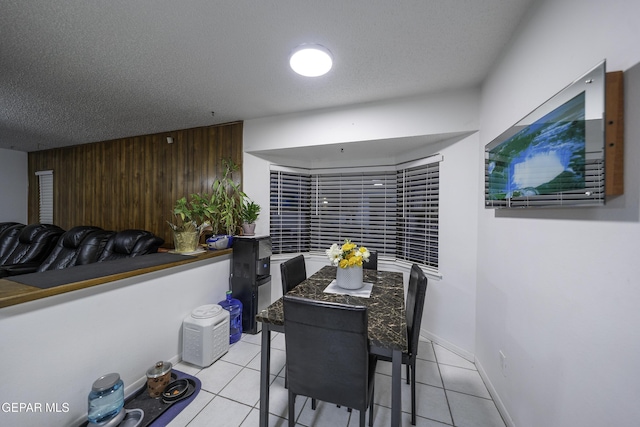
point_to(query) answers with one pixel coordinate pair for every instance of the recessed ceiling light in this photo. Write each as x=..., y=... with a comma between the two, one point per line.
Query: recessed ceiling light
x=311, y=60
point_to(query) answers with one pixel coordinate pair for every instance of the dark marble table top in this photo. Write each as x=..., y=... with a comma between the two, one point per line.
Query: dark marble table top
x=387, y=318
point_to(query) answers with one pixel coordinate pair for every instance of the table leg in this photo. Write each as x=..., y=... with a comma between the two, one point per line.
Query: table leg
x=265, y=360
x=396, y=400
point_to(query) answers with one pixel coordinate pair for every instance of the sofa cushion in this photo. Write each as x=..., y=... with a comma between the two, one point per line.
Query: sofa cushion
x=130, y=243
x=9, y=240
x=68, y=249
x=35, y=242
x=5, y=225
x=93, y=246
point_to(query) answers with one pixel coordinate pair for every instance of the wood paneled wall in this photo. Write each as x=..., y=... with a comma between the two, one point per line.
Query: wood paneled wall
x=133, y=182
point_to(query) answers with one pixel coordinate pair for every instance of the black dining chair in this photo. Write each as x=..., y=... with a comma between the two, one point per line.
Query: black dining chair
x=328, y=359
x=414, y=307
x=293, y=272
x=372, y=262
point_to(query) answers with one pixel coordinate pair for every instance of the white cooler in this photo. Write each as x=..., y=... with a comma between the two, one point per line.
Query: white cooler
x=205, y=335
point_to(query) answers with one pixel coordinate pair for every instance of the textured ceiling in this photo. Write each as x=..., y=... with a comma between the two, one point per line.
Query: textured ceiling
x=80, y=71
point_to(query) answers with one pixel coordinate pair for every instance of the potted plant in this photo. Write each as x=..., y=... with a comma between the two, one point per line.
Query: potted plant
x=191, y=219
x=226, y=205
x=250, y=213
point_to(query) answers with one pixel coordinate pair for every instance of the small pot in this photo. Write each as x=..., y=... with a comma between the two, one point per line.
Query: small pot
x=249, y=229
x=158, y=377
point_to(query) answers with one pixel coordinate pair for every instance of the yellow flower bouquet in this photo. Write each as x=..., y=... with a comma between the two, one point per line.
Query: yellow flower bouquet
x=347, y=255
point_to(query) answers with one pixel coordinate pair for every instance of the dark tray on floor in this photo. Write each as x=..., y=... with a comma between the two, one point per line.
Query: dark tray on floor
x=156, y=410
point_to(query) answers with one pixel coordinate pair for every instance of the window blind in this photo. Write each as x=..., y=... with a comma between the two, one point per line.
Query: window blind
x=391, y=210
x=417, y=214
x=356, y=206
x=45, y=189
x=290, y=212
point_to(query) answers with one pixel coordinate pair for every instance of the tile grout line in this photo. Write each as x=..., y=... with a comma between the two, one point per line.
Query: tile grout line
x=446, y=396
x=256, y=406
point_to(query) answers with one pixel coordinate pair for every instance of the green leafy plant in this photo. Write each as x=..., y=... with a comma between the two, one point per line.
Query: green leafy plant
x=192, y=215
x=219, y=212
x=250, y=211
x=226, y=201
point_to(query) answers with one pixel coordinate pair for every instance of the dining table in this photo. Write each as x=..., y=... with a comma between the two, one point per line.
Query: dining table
x=382, y=294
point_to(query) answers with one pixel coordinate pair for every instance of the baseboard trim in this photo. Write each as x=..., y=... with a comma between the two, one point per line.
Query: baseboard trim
x=494, y=395
x=448, y=345
x=471, y=358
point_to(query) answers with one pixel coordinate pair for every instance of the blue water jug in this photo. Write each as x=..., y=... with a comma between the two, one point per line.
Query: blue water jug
x=234, y=307
x=106, y=399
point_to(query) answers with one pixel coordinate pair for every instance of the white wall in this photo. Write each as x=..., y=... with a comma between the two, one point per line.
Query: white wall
x=450, y=308
x=558, y=290
x=13, y=186
x=421, y=115
x=54, y=348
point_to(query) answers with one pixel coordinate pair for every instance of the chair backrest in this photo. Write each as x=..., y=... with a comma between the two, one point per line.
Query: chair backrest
x=372, y=262
x=93, y=246
x=293, y=272
x=5, y=225
x=414, y=306
x=67, y=250
x=9, y=240
x=35, y=242
x=327, y=351
x=130, y=243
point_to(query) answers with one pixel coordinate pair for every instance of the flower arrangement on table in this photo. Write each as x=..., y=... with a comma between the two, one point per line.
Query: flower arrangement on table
x=348, y=258
x=347, y=255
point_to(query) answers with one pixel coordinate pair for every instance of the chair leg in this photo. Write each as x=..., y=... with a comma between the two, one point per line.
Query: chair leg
x=407, y=373
x=413, y=392
x=292, y=409
x=373, y=393
x=362, y=417
x=314, y=404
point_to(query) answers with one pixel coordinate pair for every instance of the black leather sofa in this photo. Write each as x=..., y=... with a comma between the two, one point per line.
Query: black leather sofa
x=29, y=248
x=5, y=225
x=71, y=250
x=42, y=247
x=130, y=243
x=9, y=232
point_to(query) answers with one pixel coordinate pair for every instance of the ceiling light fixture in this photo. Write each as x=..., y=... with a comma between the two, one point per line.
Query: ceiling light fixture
x=311, y=60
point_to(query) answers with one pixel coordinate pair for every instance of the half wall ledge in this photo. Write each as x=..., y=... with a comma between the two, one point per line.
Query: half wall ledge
x=34, y=286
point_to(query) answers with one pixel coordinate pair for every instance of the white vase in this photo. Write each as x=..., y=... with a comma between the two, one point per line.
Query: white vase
x=350, y=277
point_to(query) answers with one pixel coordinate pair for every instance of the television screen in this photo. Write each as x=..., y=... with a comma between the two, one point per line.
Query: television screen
x=555, y=155
x=545, y=157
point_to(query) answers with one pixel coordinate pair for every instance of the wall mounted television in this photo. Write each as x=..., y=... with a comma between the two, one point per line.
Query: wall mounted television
x=554, y=157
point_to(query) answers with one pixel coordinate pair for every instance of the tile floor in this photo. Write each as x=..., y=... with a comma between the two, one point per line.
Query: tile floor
x=450, y=392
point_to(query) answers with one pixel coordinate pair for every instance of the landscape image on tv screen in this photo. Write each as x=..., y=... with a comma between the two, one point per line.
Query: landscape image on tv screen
x=547, y=156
